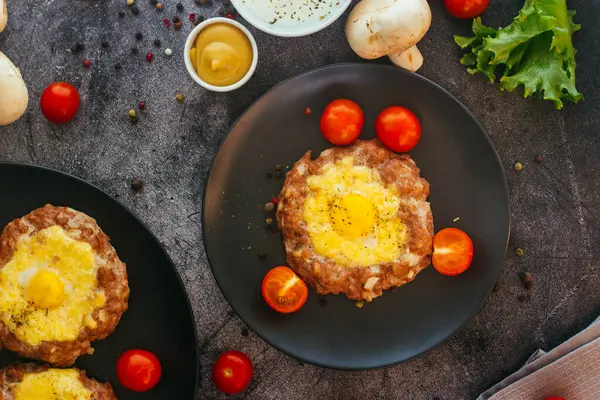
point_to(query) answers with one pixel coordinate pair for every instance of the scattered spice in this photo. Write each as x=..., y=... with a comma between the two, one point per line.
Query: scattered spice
x=104, y=45
x=132, y=114
x=269, y=175
x=137, y=184
x=180, y=97
x=177, y=25
x=167, y=22
x=159, y=6
x=192, y=17
x=168, y=52
x=229, y=16
x=245, y=331
x=456, y=219
x=76, y=48
x=278, y=174
x=322, y=302
x=149, y=57
x=139, y=36
x=519, y=252
x=134, y=50
x=135, y=10
x=496, y=288
x=86, y=63
x=179, y=6
x=118, y=66
x=518, y=166
x=539, y=159
x=275, y=200
x=130, y=3
x=269, y=221
x=157, y=42
x=176, y=19
x=278, y=167
x=262, y=255
x=526, y=280
x=142, y=105
x=269, y=207
x=307, y=111
x=360, y=303
x=121, y=14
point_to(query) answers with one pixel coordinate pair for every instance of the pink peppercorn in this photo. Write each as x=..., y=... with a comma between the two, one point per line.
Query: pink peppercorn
x=192, y=17
x=86, y=63
x=149, y=57
x=167, y=22
x=229, y=16
x=142, y=105
x=275, y=200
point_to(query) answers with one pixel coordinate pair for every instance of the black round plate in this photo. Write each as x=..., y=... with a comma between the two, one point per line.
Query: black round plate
x=467, y=181
x=159, y=318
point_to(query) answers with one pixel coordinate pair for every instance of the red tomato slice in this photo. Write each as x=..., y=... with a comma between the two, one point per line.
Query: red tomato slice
x=232, y=372
x=138, y=370
x=60, y=102
x=466, y=9
x=283, y=290
x=452, y=251
x=342, y=122
x=398, y=129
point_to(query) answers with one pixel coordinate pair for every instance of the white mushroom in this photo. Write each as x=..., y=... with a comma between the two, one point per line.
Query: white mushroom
x=3, y=15
x=13, y=92
x=377, y=28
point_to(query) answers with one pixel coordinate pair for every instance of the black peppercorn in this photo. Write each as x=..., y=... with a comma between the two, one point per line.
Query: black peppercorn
x=134, y=50
x=179, y=6
x=157, y=42
x=117, y=66
x=121, y=14
x=139, y=36
x=137, y=184
x=135, y=10
x=278, y=174
x=105, y=45
x=245, y=331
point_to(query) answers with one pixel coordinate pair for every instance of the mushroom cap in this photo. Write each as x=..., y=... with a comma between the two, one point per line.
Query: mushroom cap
x=376, y=28
x=14, y=98
x=3, y=15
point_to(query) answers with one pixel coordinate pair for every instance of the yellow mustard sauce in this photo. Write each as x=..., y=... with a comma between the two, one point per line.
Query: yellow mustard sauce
x=221, y=55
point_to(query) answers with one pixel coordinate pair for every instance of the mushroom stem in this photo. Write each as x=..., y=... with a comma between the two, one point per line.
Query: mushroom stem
x=3, y=15
x=410, y=59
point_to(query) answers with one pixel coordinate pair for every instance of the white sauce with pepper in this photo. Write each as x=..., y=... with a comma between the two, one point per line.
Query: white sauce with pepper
x=293, y=12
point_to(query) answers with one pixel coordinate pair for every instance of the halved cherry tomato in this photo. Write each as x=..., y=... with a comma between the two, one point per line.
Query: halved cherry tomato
x=452, y=251
x=466, y=9
x=283, y=290
x=398, y=129
x=138, y=370
x=342, y=122
x=60, y=102
x=232, y=372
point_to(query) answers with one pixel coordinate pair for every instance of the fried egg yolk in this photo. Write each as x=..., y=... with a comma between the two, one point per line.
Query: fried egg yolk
x=352, y=216
x=48, y=288
x=63, y=384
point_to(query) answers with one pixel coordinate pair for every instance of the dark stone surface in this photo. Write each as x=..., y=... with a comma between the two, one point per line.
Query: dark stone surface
x=554, y=204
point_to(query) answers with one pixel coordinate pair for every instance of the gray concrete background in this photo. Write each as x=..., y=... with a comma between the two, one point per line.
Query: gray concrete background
x=554, y=204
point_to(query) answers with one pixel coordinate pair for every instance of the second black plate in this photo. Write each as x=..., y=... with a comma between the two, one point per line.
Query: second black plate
x=467, y=181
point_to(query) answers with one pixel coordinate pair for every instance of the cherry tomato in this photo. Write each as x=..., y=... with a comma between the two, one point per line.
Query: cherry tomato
x=452, y=251
x=342, y=122
x=232, y=372
x=398, y=129
x=466, y=9
x=138, y=370
x=283, y=290
x=60, y=102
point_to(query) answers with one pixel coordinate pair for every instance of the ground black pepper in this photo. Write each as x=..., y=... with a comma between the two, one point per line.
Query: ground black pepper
x=269, y=207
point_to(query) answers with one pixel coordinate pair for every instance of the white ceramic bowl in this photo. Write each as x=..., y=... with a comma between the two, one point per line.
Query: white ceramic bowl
x=190, y=42
x=244, y=7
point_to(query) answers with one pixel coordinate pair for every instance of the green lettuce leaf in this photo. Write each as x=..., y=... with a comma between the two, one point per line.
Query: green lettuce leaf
x=535, y=51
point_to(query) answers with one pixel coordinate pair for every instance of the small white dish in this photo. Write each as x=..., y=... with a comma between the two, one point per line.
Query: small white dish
x=250, y=11
x=190, y=42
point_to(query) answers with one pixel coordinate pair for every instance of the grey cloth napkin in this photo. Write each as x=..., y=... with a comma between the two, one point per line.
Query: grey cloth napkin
x=571, y=370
